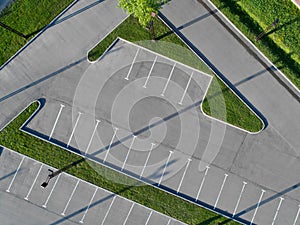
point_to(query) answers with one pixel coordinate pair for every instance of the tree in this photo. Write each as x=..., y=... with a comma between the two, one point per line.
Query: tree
x=144, y=10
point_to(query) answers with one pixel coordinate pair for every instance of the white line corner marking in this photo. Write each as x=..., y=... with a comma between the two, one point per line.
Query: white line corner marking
x=257, y=206
x=225, y=177
x=74, y=128
x=57, y=117
x=202, y=182
x=11, y=183
x=239, y=199
x=134, y=137
x=146, y=162
x=163, y=173
x=185, y=90
x=136, y=54
x=186, y=167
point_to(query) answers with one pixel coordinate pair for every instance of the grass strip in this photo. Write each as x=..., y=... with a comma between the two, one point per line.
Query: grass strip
x=281, y=44
x=26, y=17
x=235, y=112
x=104, y=177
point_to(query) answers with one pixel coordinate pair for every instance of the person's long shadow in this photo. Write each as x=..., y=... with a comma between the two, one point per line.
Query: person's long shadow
x=283, y=25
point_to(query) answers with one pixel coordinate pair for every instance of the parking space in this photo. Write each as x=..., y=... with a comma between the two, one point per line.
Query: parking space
x=67, y=199
x=139, y=112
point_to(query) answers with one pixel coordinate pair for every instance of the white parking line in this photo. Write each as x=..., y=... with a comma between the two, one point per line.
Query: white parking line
x=137, y=52
x=297, y=215
x=185, y=90
x=145, y=84
x=46, y=202
x=186, y=167
x=90, y=142
x=74, y=128
x=134, y=137
x=239, y=199
x=112, y=139
x=63, y=213
x=169, y=221
x=106, y=214
x=169, y=78
x=146, y=162
x=225, y=177
x=163, y=173
x=81, y=221
x=14, y=177
x=57, y=117
x=125, y=221
x=201, y=185
x=281, y=199
x=257, y=206
x=148, y=219
x=26, y=198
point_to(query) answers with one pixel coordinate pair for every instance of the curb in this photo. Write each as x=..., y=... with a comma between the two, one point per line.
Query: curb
x=252, y=45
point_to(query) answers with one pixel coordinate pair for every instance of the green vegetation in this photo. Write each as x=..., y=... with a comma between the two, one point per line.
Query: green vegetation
x=235, y=112
x=27, y=17
x=98, y=175
x=280, y=45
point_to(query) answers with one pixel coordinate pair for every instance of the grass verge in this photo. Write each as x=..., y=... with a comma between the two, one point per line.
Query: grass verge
x=236, y=112
x=27, y=17
x=281, y=44
x=94, y=173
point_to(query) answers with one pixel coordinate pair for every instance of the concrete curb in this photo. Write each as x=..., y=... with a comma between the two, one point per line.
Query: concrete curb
x=226, y=123
x=38, y=34
x=93, y=185
x=252, y=45
x=168, y=191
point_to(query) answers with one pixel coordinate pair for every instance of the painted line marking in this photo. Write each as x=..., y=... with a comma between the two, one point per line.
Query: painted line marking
x=74, y=128
x=74, y=189
x=277, y=210
x=145, y=84
x=257, y=206
x=163, y=173
x=239, y=199
x=202, y=182
x=57, y=117
x=186, y=167
x=148, y=219
x=131, y=144
x=14, y=177
x=38, y=173
x=297, y=215
x=46, y=202
x=137, y=52
x=112, y=139
x=185, y=90
x=106, y=214
x=225, y=177
x=169, y=78
x=125, y=221
x=90, y=142
x=169, y=221
x=152, y=145
x=81, y=221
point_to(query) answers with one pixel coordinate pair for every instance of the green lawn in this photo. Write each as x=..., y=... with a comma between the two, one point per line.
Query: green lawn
x=220, y=103
x=27, y=17
x=280, y=45
x=98, y=175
